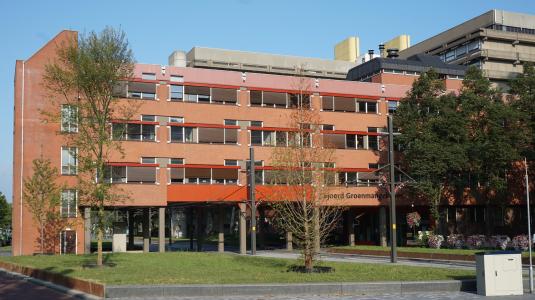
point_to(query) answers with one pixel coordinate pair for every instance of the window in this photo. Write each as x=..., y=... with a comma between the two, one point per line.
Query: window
x=69, y=206
x=268, y=138
x=141, y=90
x=198, y=176
x=149, y=118
x=231, y=162
x=297, y=100
x=336, y=141
x=176, y=175
x=177, y=92
x=256, y=137
x=344, y=104
x=69, y=162
x=472, y=46
x=69, y=118
x=134, y=132
x=176, y=161
x=255, y=98
x=282, y=138
x=176, y=78
x=224, y=96
x=392, y=106
x=176, y=119
x=460, y=51
x=199, y=94
x=115, y=174
x=231, y=122
x=351, y=142
x=68, y=242
x=450, y=55
x=360, y=142
x=211, y=135
x=373, y=142
x=183, y=134
x=148, y=76
x=141, y=174
x=255, y=123
x=273, y=99
x=148, y=160
x=327, y=127
x=367, y=107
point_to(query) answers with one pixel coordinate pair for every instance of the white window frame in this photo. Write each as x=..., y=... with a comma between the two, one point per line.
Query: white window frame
x=71, y=128
x=69, y=209
x=69, y=149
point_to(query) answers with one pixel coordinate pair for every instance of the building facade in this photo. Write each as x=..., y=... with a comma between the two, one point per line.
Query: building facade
x=497, y=41
x=185, y=150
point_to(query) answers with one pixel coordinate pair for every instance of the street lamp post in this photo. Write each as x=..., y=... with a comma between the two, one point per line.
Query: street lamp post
x=529, y=229
x=392, y=179
x=252, y=198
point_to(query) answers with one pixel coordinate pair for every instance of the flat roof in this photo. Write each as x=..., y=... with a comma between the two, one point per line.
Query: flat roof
x=417, y=63
x=203, y=57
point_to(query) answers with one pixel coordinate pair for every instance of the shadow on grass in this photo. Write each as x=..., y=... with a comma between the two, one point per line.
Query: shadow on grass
x=260, y=261
x=90, y=262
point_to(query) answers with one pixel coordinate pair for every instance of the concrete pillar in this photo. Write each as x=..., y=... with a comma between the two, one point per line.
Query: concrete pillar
x=146, y=229
x=131, y=229
x=161, y=229
x=200, y=228
x=289, y=241
x=382, y=226
x=87, y=230
x=243, y=228
x=350, y=216
x=221, y=228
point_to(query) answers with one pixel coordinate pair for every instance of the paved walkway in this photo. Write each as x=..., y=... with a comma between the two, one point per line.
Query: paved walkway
x=427, y=296
x=12, y=288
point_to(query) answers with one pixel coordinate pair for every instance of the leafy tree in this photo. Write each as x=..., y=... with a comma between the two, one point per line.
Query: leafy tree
x=453, y=142
x=5, y=213
x=42, y=196
x=523, y=99
x=86, y=74
x=433, y=139
x=497, y=137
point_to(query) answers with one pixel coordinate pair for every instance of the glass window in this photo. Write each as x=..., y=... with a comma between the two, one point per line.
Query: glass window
x=231, y=122
x=177, y=134
x=327, y=103
x=177, y=92
x=69, y=162
x=141, y=90
x=372, y=107
x=373, y=142
x=69, y=205
x=190, y=135
x=141, y=174
x=362, y=106
x=176, y=119
x=256, y=137
x=360, y=142
x=119, y=131
x=176, y=78
x=269, y=138
x=148, y=132
x=350, y=141
x=392, y=106
x=149, y=118
x=176, y=161
x=224, y=96
x=256, y=124
x=231, y=162
x=472, y=46
x=148, y=76
x=450, y=55
x=327, y=127
x=148, y=160
x=282, y=138
x=69, y=118
x=255, y=98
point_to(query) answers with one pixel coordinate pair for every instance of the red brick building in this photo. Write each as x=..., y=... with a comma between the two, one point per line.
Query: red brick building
x=185, y=150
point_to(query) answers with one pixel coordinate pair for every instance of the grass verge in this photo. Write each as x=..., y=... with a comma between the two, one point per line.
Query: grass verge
x=213, y=268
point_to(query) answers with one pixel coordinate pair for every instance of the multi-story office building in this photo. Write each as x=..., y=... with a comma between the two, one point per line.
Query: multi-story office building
x=185, y=149
x=497, y=41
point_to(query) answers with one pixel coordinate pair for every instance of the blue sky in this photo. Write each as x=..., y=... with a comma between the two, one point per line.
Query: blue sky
x=155, y=29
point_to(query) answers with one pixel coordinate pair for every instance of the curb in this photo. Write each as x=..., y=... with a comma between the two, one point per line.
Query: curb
x=220, y=290
x=59, y=288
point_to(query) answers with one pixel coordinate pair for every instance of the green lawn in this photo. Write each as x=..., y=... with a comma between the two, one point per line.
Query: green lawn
x=213, y=268
x=419, y=250
x=5, y=249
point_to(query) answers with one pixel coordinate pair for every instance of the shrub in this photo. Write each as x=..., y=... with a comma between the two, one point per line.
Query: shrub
x=435, y=241
x=520, y=242
x=423, y=237
x=455, y=241
x=475, y=241
x=413, y=219
x=499, y=241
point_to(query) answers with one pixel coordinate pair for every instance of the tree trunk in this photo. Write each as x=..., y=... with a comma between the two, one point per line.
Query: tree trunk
x=43, y=237
x=309, y=261
x=316, y=233
x=99, y=246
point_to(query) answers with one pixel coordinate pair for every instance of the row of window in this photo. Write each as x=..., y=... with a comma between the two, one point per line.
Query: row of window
x=460, y=51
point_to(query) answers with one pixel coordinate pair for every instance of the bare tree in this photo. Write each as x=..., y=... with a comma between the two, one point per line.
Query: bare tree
x=86, y=76
x=42, y=196
x=302, y=172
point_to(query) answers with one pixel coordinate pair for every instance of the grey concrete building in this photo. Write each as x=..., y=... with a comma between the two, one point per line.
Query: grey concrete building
x=213, y=58
x=497, y=41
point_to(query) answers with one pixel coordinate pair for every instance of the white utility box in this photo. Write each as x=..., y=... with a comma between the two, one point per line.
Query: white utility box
x=499, y=273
